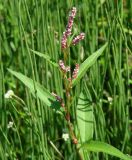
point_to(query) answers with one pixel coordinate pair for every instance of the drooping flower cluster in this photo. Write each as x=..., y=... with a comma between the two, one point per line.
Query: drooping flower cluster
x=78, y=38
x=63, y=67
x=68, y=28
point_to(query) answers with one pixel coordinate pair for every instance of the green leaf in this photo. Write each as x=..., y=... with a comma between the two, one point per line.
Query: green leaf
x=46, y=57
x=41, y=92
x=84, y=129
x=84, y=118
x=88, y=63
x=97, y=146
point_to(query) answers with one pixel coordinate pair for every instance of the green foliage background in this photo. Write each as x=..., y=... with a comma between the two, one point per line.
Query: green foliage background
x=38, y=25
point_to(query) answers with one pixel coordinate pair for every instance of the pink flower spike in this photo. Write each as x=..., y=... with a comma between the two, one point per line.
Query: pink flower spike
x=78, y=38
x=64, y=41
x=68, y=28
x=73, y=12
x=63, y=67
x=70, y=21
x=75, y=72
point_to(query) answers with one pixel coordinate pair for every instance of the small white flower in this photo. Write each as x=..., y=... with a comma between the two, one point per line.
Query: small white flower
x=10, y=124
x=65, y=136
x=9, y=94
x=110, y=99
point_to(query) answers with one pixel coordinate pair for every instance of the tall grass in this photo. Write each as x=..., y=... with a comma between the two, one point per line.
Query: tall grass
x=106, y=87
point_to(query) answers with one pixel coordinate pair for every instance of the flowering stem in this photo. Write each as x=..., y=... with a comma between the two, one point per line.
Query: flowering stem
x=67, y=40
x=67, y=86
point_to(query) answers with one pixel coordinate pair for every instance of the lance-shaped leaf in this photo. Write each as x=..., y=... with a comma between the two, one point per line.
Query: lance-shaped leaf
x=46, y=57
x=97, y=146
x=40, y=91
x=84, y=114
x=85, y=121
x=88, y=63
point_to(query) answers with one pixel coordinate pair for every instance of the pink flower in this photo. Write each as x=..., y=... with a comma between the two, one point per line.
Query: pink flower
x=63, y=67
x=73, y=12
x=78, y=38
x=64, y=41
x=70, y=21
x=75, y=72
x=61, y=64
x=68, y=28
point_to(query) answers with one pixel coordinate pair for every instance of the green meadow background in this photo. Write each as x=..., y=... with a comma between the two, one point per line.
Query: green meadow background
x=106, y=88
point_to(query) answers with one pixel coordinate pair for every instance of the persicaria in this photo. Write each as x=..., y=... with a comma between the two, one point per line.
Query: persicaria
x=70, y=21
x=64, y=41
x=63, y=67
x=75, y=72
x=78, y=38
x=68, y=28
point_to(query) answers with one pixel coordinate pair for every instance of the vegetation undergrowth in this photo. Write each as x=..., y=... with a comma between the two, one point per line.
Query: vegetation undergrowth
x=65, y=95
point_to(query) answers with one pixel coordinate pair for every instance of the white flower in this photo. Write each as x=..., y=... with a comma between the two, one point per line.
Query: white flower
x=9, y=94
x=110, y=99
x=10, y=124
x=65, y=136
